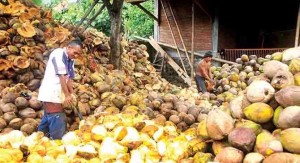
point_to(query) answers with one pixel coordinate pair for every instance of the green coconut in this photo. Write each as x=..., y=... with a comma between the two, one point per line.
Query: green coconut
x=277, y=112
x=290, y=140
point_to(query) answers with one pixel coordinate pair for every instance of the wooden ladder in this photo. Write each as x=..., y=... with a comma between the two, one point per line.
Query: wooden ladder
x=165, y=57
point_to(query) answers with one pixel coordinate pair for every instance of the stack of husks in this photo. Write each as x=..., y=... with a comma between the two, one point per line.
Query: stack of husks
x=133, y=115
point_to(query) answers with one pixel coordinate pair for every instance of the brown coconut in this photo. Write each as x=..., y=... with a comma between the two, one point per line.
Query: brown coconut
x=28, y=128
x=230, y=155
x=219, y=124
x=35, y=104
x=6, y=130
x=289, y=117
x=288, y=96
x=3, y=123
x=189, y=119
x=8, y=116
x=9, y=107
x=182, y=126
x=33, y=84
x=31, y=121
x=21, y=102
x=282, y=157
x=9, y=97
x=27, y=113
x=175, y=119
x=242, y=139
x=16, y=123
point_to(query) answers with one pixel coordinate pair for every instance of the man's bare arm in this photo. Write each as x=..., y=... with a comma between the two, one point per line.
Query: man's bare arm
x=63, y=83
x=70, y=85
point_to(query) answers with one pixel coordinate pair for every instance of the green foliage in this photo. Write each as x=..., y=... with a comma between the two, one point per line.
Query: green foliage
x=135, y=21
x=38, y=2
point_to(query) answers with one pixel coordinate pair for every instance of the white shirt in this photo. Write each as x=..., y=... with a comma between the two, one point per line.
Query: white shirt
x=50, y=89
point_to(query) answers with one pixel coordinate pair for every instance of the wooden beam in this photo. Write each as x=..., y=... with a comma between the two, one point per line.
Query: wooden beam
x=297, y=29
x=203, y=9
x=181, y=73
x=94, y=17
x=197, y=54
x=146, y=11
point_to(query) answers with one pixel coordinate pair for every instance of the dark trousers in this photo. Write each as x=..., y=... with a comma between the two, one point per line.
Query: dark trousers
x=200, y=82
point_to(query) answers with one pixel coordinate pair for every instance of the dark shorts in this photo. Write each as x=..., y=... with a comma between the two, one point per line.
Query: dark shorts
x=200, y=82
x=54, y=125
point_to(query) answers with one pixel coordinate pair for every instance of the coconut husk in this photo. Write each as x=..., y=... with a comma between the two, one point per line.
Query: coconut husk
x=5, y=64
x=282, y=79
x=26, y=30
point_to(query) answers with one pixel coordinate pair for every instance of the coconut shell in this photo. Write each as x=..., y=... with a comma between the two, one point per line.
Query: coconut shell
x=16, y=123
x=290, y=140
x=242, y=138
x=230, y=155
x=282, y=157
x=21, y=102
x=219, y=124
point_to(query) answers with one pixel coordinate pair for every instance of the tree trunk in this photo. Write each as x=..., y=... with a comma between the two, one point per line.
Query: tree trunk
x=116, y=36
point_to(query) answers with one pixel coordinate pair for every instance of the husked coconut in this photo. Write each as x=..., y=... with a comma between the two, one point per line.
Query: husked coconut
x=288, y=96
x=266, y=144
x=230, y=155
x=289, y=117
x=219, y=124
x=218, y=146
x=175, y=119
x=28, y=128
x=33, y=84
x=290, y=140
x=189, y=119
x=282, y=157
x=253, y=157
x=8, y=116
x=270, y=68
x=282, y=79
x=242, y=139
x=260, y=91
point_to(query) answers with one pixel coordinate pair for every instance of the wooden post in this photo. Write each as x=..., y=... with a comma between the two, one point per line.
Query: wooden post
x=193, y=39
x=297, y=29
x=215, y=32
x=156, y=23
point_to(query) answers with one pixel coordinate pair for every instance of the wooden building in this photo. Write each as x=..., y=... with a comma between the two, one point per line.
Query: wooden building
x=255, y=25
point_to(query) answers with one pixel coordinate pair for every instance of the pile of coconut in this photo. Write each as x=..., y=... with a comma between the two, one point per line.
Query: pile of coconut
x=28, y=35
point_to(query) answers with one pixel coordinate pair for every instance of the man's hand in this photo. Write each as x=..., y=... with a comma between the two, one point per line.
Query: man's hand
x=68, y=101
x=212, y=81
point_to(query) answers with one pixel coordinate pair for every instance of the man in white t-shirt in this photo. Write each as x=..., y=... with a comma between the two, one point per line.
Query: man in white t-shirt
x=57, y=88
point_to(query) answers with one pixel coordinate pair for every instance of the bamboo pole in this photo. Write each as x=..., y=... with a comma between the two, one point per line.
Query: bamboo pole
x=169, y=24
x=193, y=39
x=179, y=32
x=85, y=15
x=297, y=29
x=95, y=16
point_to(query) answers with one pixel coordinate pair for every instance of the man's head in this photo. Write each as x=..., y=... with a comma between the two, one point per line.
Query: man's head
x=74, y=49
x=207, y=56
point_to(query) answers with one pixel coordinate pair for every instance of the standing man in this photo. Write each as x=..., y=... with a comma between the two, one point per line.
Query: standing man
x=56, y=89
x=203, y=72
